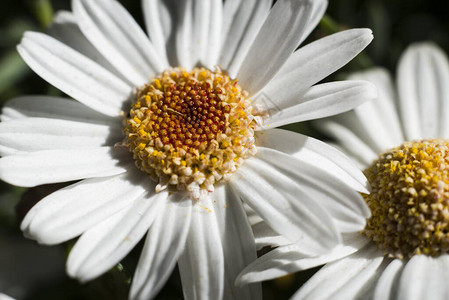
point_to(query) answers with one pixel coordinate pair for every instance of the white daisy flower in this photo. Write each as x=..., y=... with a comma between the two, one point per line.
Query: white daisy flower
x=198, y=138
x=403, y=251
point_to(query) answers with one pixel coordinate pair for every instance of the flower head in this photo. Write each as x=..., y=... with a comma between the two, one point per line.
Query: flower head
x=168, y=134
x=404, y=154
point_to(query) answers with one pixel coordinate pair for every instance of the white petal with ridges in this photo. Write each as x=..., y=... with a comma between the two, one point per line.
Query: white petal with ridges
x=349, y=141
x=288, y=259
x=425, y=72
x=379, y=117
x=274, y=196
x=408, y=85
x=104, y=245
x=34, y=134
x=51, y=166
x=323, y=156
x=386, y=287
x=164, y=243
x=345, y=205
x=55, y=108
x=321, y=101
x=201, y=265
x=348, y=278
x=264, y=235
x=313, y=62
x=424, y=277
x=74, y=209
x=65, y=29
x=238, y=241
x=74, y=74
x=315, y=18
x=278, y=37
x=242, y=21
x=113, y=31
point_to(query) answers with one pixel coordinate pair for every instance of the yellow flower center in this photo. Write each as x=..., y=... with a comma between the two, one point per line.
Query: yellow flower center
x=189, y=130
x=409, y=200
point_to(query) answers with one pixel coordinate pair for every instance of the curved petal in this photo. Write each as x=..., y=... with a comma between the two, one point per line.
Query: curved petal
x=289, y=259
x=198, y=33
x=313, y=62
x=345, y=205
x=54, y=108
x=201, y=265
x=242, y=21
x=379, y=118
x=348, y=278
x=65, y=29
x=161, y=20
x=237, y=240
x=74, y=74
x=113, y=31
x=104, y=245
x=423, y=74
x=386, y=287
x=309, y=149
x=35, y=134
x=321, y=101
x=51, y=166
x=279, y=36
x=74, y=209
x=424, y=277
x=315, y=18
x=264, y=235
x=165, y=241
x=348, y=140
x=408, y=83
x=285, y=207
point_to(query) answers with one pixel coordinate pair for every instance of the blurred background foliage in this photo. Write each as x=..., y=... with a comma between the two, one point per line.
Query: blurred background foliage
x=30, y=271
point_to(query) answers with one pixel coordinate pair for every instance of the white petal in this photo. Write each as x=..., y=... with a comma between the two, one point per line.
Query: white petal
x=289, y=258
x=313, y=62
x=201, y=265
x=213, y=48
x=277, y=39
x=323, y=156
x=315, y=18
x=72, y=210
x=423, y=75
x=50, y=166
x=113, y=31
x=349, y=278
x=408, y=84
x=5, y=297
x=242, y=21
x=345, y=205
x=34, y=134
x=424, y=278
x=165, y=241
x=387, y=285
x=264, y=235
x=158, y=23
x=184, y=34
x=53, y=107
x=379, y=118
x=65, y=29
x=285, y=207
x=348, y=140
x=321, y=101
x=104, y=245
x=237, y=240
x=74, y=74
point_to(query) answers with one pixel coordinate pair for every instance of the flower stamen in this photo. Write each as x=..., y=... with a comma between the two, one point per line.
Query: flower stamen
x=190, y=130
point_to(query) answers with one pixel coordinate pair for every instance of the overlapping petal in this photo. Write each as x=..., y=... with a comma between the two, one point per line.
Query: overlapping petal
x=74, y=74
